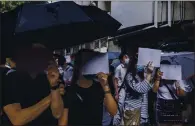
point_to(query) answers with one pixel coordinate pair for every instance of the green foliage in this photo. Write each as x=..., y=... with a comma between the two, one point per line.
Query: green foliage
x=9, y=5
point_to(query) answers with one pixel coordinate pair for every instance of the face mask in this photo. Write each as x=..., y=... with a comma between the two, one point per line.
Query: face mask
x=140, y=68
x=127, y=61
x=91, y=77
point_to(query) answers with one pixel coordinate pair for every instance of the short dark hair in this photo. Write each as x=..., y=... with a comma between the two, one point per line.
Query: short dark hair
x=122, y=55
x=61, y=60
x=165, y=62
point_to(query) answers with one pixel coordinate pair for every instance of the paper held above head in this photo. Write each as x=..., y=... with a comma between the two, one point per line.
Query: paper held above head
x=99, y=63
x=171, y=72
x=146, y=55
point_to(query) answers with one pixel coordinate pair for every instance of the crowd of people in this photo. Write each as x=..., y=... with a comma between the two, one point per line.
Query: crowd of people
x=40, y=89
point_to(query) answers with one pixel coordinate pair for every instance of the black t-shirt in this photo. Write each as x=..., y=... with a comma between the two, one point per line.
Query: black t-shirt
x=85, y=105
x=21, y=88
x=111, y=84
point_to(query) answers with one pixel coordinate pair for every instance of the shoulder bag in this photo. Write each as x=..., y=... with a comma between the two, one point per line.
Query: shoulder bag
x=179, y=102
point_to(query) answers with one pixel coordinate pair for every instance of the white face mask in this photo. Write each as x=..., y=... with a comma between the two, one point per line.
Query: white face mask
x=127, y=61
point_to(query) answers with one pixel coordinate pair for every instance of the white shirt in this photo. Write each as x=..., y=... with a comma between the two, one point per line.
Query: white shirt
x=120, y=73
x=164, y=93
x=68, y=72
x=61, y=71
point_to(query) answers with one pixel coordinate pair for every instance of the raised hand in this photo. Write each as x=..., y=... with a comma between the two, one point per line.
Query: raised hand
x=159, y=74
x=103, y=78
x=149, y=67
x=177, y=85
x=62, y=89
x=53, y=75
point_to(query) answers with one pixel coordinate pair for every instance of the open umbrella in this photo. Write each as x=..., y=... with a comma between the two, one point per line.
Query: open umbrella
x=101, y=18
x=61, y=24
x=186, y=60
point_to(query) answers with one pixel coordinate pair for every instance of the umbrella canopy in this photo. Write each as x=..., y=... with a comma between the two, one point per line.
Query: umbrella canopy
x=102, y=18
x=186, y=60
x=62, y=24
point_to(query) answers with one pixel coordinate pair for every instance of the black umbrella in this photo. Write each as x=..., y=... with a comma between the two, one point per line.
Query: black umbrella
x=62, y=24
x=101, y=18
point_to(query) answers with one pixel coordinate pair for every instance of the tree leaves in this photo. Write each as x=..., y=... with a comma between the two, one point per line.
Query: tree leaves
x=9, y=5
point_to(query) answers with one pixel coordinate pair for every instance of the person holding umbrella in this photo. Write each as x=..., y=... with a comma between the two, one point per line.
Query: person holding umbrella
x=32, y=96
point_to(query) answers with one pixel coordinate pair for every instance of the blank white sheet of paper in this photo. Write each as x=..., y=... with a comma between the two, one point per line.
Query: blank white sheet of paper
x=98, y=63
x=171, y=72
x=146, y=55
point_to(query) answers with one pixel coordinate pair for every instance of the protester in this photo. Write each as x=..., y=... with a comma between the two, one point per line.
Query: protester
x=135, y=88
x=120, y=72
x=3, y=71
x=169, y=104
x=9, y=67
x=144, y=106
x=32, y=97
x=83, y=103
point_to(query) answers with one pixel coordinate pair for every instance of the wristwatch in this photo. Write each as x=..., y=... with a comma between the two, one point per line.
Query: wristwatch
x=55, y=87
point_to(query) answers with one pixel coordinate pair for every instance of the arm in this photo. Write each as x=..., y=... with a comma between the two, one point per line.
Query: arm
x=109, y=101
x=121, y=100
x=156, y=86
x=115, y=80
x=183, y=87
x=180, y=92
x=140, y=87
x=116, y=85
x=157, y=81
x=19, y=116
x=57, y=105
x=63, y=120
x=56, y=99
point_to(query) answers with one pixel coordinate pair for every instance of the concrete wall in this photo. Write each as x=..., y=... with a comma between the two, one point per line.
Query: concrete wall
x=113, y=48
x=131, y=13
x=137, y=13
x=83, y=2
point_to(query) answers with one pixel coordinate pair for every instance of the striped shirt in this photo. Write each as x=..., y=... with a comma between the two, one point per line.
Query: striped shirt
x=134, y=95
x=144, y=106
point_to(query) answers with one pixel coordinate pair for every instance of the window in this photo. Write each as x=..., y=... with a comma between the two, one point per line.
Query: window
x=103, y=43
x=87, y=46
x=96, y=44
x=76, y=49
x=68, y=50
x=94, y=3
x=108, y=6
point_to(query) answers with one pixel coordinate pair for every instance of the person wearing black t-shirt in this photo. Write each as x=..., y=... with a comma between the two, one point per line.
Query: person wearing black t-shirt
x=32, y=97
x=83, y=103
x=4, y=70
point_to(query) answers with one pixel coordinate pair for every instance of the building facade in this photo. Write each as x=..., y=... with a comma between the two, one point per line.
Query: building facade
x=129, y=13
